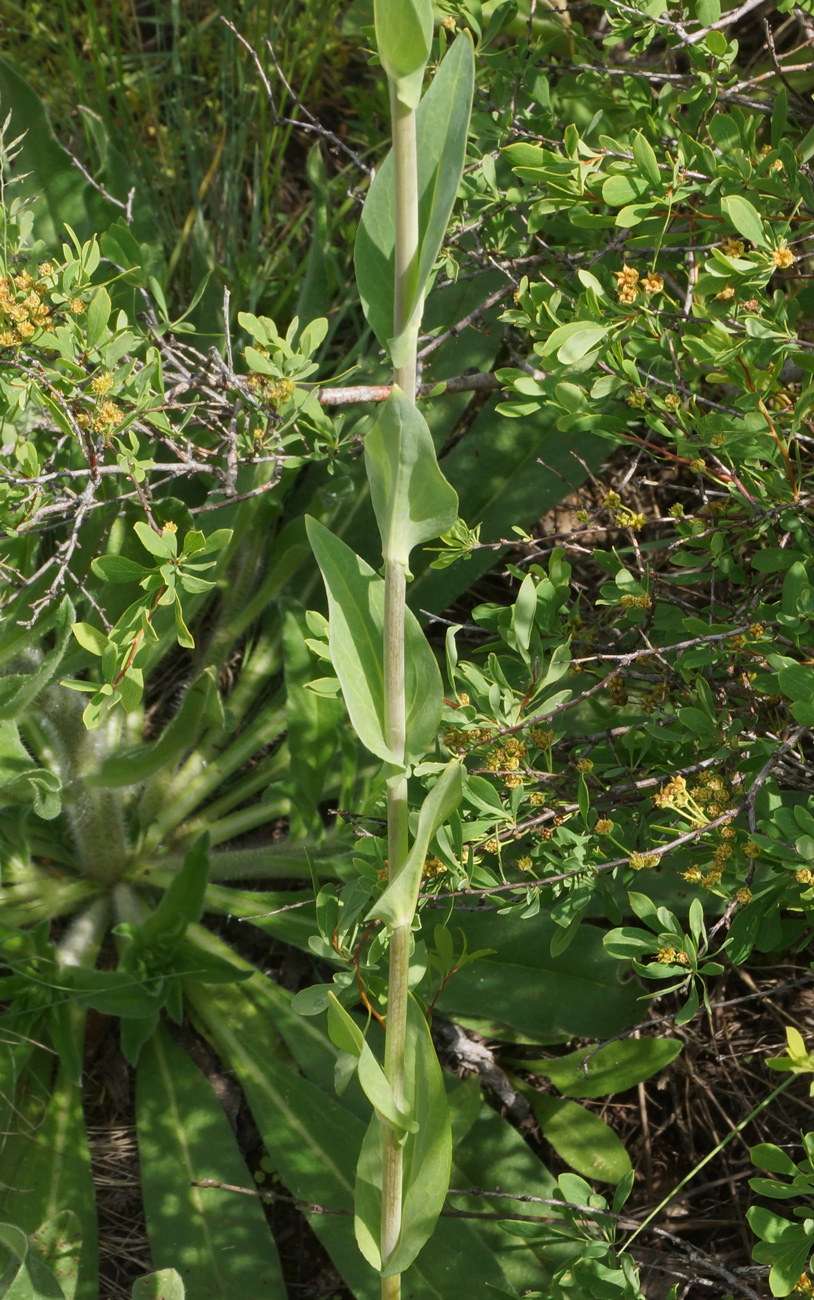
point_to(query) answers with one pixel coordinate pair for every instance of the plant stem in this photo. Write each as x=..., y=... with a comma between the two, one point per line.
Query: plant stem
x=405, y=264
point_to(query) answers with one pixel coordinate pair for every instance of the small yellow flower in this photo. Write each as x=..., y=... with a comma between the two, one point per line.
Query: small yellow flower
x=751, y=849
x=744, y=896
x=731, y=247
x=512, y=782
x=542, y=738
x=652, y=282
x=102, y=384
x=604, y=826
x=672, y=401
x=627, y=276
x=463, y=699
x=756, y=631
x=109, y=413
x=783, y=257
x=628, y=295
x=803, y=876
x=524, y=863
x=666, y=956
x=491, y=846
x=726, y=293
x=697, y=466
x=585, y=765
x=694, y=875
x=728, y=833
x=582, y=516
x=642, y=601
x=628, y=600
x=536, y=798
x=636, y=861
x=77, y=306
x=45, y=268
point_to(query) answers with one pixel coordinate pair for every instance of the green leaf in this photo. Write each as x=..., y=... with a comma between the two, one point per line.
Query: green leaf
x=427, y=1156
x=645, y=157
x=615, y=1068
x=48, y=1188
x=129, y=767
x=442, y=123
x=182, y=902
x=163, y=545
x=797, y=682
x=117, y=568
x=99, y=309
x=163, y=1285
x=58, y=1244
x=411, y=498
x=767, y=1156
x=404, y=41
x=90, y=638
x=356, y=604
x=581, y=1138
x=526, y=992
x=312, y=725
x=744, y=218
x=348, y=1037
x=573, y=341
x=398, y=902
x=220, y=1243
x=182, y=633
x=18, y=690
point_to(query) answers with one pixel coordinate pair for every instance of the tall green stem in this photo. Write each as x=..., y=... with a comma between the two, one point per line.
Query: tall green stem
x=406, y=264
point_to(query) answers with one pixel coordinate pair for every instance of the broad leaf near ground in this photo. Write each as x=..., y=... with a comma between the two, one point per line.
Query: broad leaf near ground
x=219, y=1242
x=579, y=1137
x=534, y=996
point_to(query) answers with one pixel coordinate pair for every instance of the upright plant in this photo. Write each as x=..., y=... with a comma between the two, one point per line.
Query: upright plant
x=387, y=671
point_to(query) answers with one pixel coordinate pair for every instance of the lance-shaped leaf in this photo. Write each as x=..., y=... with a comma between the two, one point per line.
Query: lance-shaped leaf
x=221, y=1244
x=412, y=499
x=404, y=40
x=442, y=123
x=427, y=1156
x=19, y=689
x=348, y=1037
x=356, y=607
x=397, y=904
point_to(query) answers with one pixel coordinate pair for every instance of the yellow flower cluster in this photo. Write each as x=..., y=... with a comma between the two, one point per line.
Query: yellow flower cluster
x=628, y=283
x=22, y=310
x=783, y=257
x=667, y=956
x=433, y=867
x=638, y=861
x=273, y=391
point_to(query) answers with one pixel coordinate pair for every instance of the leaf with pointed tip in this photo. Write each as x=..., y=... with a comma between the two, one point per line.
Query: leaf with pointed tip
x=356, y=605
x=398, y=902
x=412, y=500
x=442, y=124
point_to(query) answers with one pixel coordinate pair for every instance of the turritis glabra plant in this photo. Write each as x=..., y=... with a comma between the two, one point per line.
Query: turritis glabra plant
x=386, y=669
